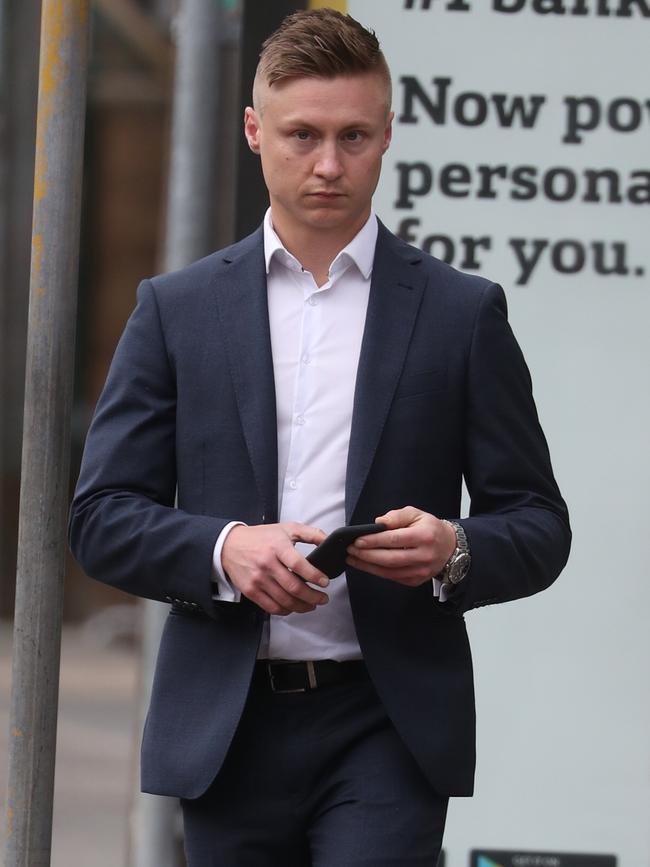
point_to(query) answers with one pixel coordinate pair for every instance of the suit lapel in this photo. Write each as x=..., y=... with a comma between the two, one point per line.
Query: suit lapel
x=243, y=312
x=395, y=295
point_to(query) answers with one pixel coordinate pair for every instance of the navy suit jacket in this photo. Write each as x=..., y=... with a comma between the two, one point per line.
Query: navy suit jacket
x=188, y=410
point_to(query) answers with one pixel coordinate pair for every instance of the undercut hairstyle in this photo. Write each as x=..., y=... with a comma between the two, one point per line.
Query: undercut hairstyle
x=321, y=43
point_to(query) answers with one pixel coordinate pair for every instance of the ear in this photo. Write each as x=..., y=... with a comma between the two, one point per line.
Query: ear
x=252, y=129
x=388, y=132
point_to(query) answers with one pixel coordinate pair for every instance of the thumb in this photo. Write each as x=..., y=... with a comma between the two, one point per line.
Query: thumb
x=305, y=533
x=398, y=517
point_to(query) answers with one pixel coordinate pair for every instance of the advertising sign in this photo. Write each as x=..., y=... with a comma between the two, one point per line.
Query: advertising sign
x=521, y=151
x=539, y=859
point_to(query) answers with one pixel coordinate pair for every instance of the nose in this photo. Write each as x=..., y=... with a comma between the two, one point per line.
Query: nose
x=328, y=164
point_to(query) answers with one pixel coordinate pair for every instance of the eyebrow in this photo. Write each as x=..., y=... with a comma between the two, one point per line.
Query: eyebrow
x=301, y=122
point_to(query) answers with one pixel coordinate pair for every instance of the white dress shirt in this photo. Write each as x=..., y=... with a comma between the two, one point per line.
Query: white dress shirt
x=316, y=335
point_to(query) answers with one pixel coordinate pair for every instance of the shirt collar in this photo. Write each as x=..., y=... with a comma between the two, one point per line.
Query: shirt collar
x=360, y=250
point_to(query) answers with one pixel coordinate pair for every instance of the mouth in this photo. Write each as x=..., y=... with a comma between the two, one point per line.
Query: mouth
x=325, y=195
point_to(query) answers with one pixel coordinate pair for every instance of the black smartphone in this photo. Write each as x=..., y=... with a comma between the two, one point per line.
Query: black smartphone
x=330, y=555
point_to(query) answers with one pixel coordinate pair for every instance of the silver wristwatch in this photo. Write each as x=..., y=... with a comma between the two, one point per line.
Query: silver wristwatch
x=458, y=564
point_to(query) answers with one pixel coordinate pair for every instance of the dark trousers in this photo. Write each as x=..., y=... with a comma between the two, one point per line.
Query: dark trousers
x=316, y=779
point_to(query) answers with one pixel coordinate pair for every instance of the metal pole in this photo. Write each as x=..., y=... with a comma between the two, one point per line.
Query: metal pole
x=45, y=462
x=155, y=820
x=4, y=212
x=22, y=29
x=192, y=171
x=189, y=235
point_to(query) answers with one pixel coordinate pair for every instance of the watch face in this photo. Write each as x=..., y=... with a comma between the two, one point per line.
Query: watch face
x=459, y=568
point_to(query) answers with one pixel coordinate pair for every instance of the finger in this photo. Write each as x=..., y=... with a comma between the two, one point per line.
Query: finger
x=297, y=564
x=384, y=557
x=293, y=584
x=399, y=517
x=269, y=597
x=392, y=558
x=405, y=537
x=268, y=604
x=287, y=602
x=304, y=533
x=408, y=575
x=286, y=589
x=272, y=606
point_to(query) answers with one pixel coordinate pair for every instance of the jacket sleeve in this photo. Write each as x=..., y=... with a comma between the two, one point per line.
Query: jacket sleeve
x=123, y=528
x=518, y=528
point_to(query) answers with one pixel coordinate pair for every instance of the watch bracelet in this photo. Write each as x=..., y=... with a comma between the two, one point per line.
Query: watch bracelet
x=462, y=547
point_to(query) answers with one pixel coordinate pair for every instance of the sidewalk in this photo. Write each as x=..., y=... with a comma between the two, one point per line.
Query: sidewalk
x=97, y=746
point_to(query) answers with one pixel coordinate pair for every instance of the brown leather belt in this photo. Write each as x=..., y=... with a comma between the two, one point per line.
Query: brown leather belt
x=292, y=677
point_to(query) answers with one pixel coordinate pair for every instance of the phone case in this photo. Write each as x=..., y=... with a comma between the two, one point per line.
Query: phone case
x=330, y=555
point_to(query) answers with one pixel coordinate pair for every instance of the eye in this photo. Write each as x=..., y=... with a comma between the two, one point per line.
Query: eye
x=353, y=136
x=302, y=135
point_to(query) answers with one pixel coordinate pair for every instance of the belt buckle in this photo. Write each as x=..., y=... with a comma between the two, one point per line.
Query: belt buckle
x=311, y=679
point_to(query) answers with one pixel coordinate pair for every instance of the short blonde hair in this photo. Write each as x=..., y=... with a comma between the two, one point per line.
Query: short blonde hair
x=321, y=43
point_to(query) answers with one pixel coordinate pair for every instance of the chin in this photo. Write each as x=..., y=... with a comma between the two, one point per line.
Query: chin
x=337, y=211
x=336, y=226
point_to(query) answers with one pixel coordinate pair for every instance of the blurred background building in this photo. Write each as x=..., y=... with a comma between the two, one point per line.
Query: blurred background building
x=128, y=152
x=130, y=90
x=574, y=685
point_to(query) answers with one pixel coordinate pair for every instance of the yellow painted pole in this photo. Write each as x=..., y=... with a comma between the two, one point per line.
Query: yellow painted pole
x=339, y=5
x=46, y=433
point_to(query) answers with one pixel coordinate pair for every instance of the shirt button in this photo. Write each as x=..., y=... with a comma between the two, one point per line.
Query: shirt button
x=300, y=419
x=305, y=359
x=293, y=485
x=313, y=301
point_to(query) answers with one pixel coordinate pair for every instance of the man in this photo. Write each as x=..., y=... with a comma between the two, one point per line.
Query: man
x=318, y=373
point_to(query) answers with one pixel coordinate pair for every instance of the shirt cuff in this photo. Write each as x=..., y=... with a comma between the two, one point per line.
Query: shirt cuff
x=222, y=589
x=441, y=591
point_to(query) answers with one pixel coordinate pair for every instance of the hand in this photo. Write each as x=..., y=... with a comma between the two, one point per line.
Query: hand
x=412, y=550
x=263, y=564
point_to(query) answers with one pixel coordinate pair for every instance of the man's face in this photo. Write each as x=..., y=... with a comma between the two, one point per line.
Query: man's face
x=321, y=141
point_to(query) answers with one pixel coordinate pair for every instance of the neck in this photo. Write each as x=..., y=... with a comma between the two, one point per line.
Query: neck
x=316, y=250
x=316, y=256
